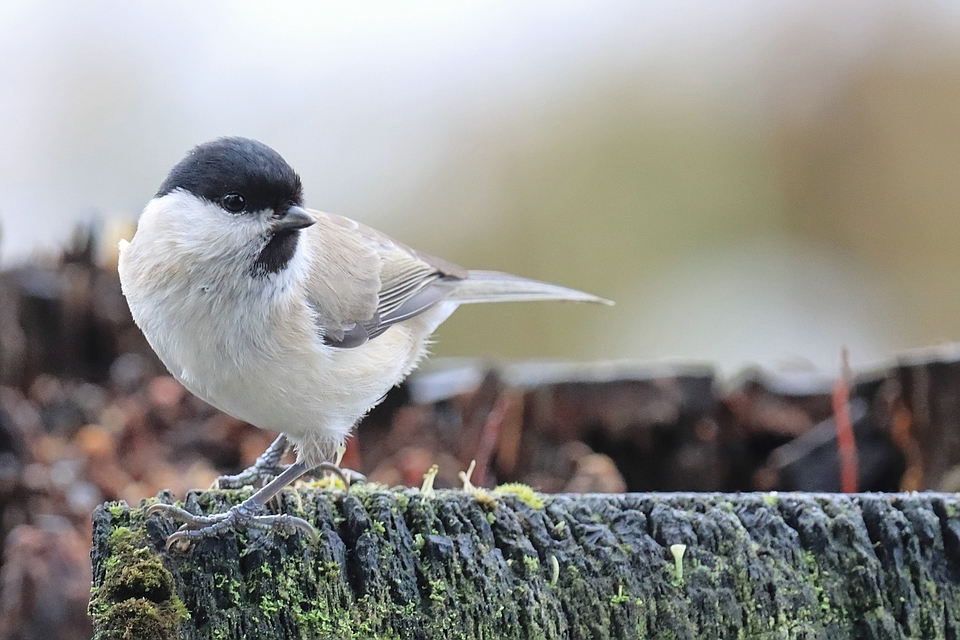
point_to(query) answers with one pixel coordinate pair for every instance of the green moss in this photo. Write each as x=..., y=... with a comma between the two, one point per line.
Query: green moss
x=531, y=563
x=137, y=599
x=138, y=619
x=121, y=536
x=271, y=606
x=233, y=588
x=438, y=590
x=522, y=491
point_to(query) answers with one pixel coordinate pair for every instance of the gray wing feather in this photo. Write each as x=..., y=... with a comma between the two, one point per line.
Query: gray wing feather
x=414, y=305
x=381, y=282
x=494, y=286
x=385, y=281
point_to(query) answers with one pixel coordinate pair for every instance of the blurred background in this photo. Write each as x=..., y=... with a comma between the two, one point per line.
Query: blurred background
x=751, y=181
x=757, y=183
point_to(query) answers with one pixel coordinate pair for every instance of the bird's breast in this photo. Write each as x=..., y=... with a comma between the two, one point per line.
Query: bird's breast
x=254, y=351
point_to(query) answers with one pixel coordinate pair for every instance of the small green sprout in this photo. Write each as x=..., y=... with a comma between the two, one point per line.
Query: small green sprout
x=554, y=571
x=619, y=598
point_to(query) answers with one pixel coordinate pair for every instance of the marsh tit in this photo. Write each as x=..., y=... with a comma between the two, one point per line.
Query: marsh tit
x=293, y=320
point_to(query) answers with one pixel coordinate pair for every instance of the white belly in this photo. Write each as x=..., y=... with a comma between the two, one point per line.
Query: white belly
x=264, y=372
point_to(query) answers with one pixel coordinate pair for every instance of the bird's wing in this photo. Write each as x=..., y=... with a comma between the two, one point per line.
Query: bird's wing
x=378, y=280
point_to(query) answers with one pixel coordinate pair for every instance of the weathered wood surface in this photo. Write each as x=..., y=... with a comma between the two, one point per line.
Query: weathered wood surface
x=398, y=564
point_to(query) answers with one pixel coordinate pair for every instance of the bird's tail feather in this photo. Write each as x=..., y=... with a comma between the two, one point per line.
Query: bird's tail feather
x=493, y=286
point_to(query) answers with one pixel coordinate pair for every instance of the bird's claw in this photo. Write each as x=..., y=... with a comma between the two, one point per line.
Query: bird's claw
x=266, y=467
x=262, y=474
x=256, y=475
x=242, y=516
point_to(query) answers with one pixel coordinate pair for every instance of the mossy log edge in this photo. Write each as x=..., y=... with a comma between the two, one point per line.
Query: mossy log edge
x=399, y=564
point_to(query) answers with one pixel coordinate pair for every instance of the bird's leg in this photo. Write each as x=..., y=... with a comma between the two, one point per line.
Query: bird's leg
x=266, y=468
x=246, y=515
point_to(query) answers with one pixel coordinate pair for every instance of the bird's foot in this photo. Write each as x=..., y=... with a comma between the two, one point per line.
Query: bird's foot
x=266, y=468
x=245, y=515
x=255, y=475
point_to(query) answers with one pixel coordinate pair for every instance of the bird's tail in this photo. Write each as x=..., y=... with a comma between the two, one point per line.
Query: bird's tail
x=493, y=286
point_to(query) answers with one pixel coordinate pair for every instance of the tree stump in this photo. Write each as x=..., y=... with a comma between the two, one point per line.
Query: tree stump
x=402, y=564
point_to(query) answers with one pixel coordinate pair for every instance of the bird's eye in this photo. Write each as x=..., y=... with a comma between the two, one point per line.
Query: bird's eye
x=233, y=202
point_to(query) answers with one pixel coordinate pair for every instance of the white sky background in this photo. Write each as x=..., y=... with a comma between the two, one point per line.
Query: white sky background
x=99, y=99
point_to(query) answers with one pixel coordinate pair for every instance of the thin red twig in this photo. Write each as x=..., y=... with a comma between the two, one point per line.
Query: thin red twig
x=488, y=440
x=846, y=444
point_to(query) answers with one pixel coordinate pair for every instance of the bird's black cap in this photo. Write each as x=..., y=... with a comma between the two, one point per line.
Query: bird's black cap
x=237, y=165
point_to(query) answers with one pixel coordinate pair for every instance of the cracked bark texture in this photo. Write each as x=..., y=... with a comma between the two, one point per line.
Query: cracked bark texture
x=397, y=564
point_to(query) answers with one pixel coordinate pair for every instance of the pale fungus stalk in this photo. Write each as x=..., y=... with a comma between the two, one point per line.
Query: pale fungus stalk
x=427, y=487
x=465, y=477
x=678, y=550
x=479, y=493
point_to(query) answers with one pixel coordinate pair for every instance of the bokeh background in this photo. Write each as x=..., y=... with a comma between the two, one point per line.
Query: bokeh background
x=752, y=181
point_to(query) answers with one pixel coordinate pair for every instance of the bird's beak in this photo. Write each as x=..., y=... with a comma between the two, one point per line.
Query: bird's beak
x=295, y=218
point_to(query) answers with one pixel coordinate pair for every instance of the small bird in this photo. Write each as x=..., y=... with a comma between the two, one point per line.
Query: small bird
x=291, y=319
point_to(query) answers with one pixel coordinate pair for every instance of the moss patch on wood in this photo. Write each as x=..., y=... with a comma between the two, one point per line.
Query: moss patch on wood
x=400, y=564
x=134, y=595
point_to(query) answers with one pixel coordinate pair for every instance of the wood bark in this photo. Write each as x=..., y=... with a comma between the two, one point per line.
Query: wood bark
x=399, y=564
